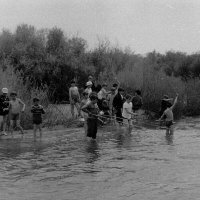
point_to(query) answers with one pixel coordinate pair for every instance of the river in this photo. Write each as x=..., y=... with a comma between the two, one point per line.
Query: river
x=143, y=165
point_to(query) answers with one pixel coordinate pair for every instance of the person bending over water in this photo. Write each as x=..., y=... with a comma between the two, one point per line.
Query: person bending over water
x=168, y=113
x=92, y=110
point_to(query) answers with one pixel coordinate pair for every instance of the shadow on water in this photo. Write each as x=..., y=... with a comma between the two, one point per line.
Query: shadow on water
x=92, y=151
x=10, y=148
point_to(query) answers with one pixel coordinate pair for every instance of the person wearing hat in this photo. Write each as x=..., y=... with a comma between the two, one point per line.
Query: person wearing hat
x=4, y=109
x=88, y=88
x=164, y=104
x=90, y=78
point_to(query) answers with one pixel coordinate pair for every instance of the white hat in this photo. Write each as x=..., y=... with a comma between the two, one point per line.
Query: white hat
x=88, y=83
x=5, y=90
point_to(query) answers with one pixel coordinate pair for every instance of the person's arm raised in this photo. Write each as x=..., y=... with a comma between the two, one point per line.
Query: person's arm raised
x=175, y=102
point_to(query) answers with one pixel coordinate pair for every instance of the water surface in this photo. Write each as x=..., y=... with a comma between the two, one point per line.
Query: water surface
x=63, y=165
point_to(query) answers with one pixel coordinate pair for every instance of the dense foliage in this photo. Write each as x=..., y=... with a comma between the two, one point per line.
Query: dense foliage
x=47, y=58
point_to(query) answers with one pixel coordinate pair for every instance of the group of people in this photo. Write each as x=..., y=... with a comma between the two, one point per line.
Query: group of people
x=11, y=108
x=98, y=103
x=101, y=104
x=95, y=104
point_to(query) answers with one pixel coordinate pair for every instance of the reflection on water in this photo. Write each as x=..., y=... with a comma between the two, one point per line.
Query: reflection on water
x=62, y=165
x=92, y=151
x=169, y=139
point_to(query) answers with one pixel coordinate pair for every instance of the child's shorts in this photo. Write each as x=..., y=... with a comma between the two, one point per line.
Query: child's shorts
x=14, y=117
x=168, y=124
x=37, y=121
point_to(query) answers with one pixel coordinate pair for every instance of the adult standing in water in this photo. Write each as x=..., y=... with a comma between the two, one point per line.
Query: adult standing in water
x=4, y=109
x=118, y=105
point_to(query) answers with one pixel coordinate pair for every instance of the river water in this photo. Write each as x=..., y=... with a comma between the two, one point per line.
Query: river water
x=143, y=165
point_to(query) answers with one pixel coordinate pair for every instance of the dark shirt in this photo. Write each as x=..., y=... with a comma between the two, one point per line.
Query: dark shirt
x=4, y=105
x=137, y=102
x=118, y=101
x=37, y=111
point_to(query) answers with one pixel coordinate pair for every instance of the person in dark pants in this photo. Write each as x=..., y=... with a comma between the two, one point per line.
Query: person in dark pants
x=118, y=105
x=4, y=109
x=93, y=111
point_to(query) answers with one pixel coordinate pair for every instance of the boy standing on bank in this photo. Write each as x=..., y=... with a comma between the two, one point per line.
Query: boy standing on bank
x=37, y=111
x=16, y=106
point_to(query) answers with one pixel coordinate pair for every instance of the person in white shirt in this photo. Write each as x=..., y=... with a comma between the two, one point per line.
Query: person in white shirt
x=102, y=94
x=88, y=89
x=168, y=113
x=127, y=112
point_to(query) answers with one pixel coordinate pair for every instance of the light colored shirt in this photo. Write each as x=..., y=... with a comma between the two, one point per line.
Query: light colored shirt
x=102, y=94
x=88, y=90
x=127, y=107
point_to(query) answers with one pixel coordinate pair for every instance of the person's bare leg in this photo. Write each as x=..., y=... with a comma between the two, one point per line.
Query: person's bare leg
x=4, y=124
x=130, y=125
x=171, y=130
x=167, y=131
x=19, y=126
x=72, y=110
x=40, y=130
x=78, y=109
x=11, y=126
x=34, y=130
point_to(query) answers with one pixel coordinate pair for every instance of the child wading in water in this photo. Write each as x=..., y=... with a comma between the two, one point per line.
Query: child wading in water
x=168, y=113
x=127, y=111
x=15, y=109
x=92, y=109
x=37, y=111
x=84, y=101
x=74, y=98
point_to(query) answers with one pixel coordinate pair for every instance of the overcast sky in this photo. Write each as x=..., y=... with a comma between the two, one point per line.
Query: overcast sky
x=142, y=25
